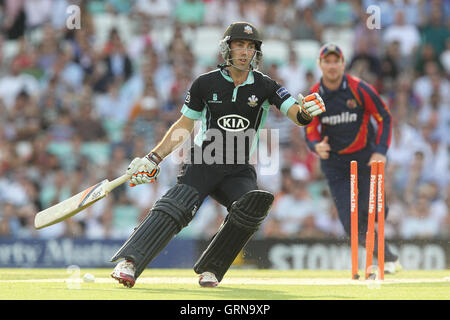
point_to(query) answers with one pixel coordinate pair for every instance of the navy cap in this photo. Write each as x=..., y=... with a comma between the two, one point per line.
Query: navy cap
x=330, y=48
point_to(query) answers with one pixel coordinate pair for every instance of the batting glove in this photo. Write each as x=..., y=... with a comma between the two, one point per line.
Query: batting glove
x=142, y=170
x=312, y=105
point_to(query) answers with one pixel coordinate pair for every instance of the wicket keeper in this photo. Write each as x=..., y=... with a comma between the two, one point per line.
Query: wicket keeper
x=344, y=133
x=232, y=103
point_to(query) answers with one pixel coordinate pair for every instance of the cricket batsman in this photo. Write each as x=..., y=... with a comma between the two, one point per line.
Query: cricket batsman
x=345, y=133
x=232, y=103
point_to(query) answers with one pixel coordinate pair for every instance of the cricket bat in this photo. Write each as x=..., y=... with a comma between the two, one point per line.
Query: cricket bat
x=69, y=207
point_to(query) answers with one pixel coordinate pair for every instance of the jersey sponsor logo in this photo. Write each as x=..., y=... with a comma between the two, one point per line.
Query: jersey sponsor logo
x=233, y=122
x=252, y=101
x=282, y=92
x=214, y=99
x=188, y=97
x=351, y=103
x=344, y=117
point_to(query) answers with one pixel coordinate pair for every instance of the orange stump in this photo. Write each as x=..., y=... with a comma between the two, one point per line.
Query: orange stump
x=370, y=235
x=354, y=217
x=380, y=211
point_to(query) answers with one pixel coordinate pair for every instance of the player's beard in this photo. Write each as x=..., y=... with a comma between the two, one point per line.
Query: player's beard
x=335, y=77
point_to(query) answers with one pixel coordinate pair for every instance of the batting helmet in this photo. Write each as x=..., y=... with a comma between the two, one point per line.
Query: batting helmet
x=241, y=31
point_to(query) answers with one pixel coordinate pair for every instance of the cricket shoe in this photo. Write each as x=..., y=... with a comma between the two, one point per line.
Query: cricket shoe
x=392, y=267
x=124, y=273
x=208, y=279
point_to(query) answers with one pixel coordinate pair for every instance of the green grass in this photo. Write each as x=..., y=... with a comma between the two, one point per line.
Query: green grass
x=170, y=284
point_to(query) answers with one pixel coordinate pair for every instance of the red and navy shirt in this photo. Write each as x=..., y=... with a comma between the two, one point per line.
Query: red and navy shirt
x=347, y=120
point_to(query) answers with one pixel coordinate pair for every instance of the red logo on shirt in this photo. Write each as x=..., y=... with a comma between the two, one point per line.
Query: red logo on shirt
x=351, y=103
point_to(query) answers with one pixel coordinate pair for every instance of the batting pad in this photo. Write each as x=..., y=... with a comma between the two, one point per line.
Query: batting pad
x=243, y=220
x=168, y=216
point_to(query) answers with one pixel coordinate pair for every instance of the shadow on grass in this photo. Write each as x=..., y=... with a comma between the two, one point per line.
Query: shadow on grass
x=183, y=293
x=233, y=293
x=219, y=293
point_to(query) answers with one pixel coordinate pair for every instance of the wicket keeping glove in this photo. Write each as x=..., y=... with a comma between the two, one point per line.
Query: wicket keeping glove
x=142, y=170
x=312, y=105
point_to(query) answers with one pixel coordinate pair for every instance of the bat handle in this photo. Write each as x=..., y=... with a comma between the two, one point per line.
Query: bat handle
x=116, y=182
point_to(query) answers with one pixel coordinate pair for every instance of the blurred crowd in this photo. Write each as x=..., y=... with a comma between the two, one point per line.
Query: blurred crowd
x=77, y=104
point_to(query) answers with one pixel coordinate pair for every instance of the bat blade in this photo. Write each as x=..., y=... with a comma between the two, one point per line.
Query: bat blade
x=77, y=203
x=71, y=206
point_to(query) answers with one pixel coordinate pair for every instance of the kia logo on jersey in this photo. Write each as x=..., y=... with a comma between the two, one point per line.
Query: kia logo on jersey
x=233, y=122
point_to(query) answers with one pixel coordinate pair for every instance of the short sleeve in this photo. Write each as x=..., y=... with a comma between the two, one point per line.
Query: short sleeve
x=279, y=96
x=193, y=105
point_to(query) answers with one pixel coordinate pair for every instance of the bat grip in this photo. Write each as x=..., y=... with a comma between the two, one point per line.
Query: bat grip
x=116, y=182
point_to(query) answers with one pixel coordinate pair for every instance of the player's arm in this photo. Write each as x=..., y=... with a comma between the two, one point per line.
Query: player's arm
x=176, y=135
x=300, y=111
x=146, y=169
x=382, y=116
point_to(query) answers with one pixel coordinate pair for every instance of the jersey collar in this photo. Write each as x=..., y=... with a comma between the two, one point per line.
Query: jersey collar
x=342, y=87
x=226, y=74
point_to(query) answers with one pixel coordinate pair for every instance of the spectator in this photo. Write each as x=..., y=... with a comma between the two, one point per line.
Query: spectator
x=87, y=124
x=47, y=52
x=445, y=57
x=435, y=32
x=386, y=8
x=145, y=112
x=406, y=34
x=14, y=19
x=420, y=222
x=436, y=157
x=111, y=106
x=305, y=26
x=37, y=12
x=25, y=56
x=431, y=81
x=293, y=74
x=291, y=210
x=125, y=217
x=158, y=10
x=252, y=11
x=435, y=111
x=16, y=82
x=284, y=13
x=444, y=229
x=412, y=11
x=118, y=63
x=143, y=42
x=400, y=153
x=371, y=37
x=426, y=54
x=62, y=130
x=391, y=66
x=323, y=11
x=190, y=12
x=328, y=221
x=221, y=12
x=367, y=63
x=70, y=73
x=83, y=52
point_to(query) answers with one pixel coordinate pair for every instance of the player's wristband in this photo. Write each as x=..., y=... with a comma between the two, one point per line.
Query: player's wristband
x=153, y=156
x=303, y=119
